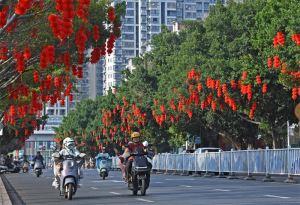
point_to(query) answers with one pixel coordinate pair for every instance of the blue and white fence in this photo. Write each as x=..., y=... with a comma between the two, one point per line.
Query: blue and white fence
x=268, y=161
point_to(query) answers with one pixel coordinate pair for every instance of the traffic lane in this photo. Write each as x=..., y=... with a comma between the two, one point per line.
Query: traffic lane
x=163, y=190
x=178, y=189
x=35, y=190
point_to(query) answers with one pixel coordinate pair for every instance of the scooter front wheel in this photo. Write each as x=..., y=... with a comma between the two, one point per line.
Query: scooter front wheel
x=70, y=191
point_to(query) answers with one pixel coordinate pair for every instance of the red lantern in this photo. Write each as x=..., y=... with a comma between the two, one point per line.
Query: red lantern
x=264, y=88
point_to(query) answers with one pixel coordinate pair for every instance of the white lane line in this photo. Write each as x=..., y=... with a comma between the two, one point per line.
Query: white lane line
x=158, y=182
x=222, y=190
x=115, y=193
x=117, y=181
x=274, y=196
x=179, y=179
x=95, y=188
x=186, y=186
x=145, y=200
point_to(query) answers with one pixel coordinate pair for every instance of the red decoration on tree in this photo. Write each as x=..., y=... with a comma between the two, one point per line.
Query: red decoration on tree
x=264, y=88
x=278, y=40
x=111, y=14
x=295, y=38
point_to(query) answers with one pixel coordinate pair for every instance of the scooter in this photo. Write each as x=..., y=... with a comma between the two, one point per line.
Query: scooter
x=38, y=166
x=103, y=164
x=25, y=167
x=70, y=175
x=139, y=178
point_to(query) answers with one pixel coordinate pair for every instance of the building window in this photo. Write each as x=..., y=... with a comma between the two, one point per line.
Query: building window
x=171, y=5
x=62, y=112
x=155, y=28
x=154, y=12
x=190, y=7
x=154, y=20
x=128, y=52
x=199, y=6
x=50, y=112
x=128, y=36
x=206, y=6
x=130, y=5
x=128, y=28
x=129, y=12
x=129, y=20
x=171, y=13
x=128, y=44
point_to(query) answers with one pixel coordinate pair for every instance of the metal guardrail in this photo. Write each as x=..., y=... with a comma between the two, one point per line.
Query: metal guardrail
x=267, y=161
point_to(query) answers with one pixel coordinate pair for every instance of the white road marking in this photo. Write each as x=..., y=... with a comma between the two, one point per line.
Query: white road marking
x=158, y=182
x=186, y=186
x=274, y=196
x=117, y=181
x=145, y=200
x=115, y=193
x=222, y=190
x=95, y=188
x=179, y=179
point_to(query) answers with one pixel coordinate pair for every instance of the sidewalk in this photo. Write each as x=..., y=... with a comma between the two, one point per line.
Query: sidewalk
x=4, y=198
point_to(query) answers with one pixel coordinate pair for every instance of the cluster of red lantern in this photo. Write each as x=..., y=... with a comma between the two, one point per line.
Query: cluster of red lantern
x=111, y=14
x=95, y=55
x=82, y=10
x=278, y=39
x=96, y=33
x=20, y=62
x=296, y=38
x=3, y=16
x=61, y=28
x=3, y=53
x=111, y=43
x=81, y=39
x=47, y=56
x=22, y=6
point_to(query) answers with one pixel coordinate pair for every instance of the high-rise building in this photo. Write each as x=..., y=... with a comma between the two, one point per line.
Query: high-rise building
x=143, y=19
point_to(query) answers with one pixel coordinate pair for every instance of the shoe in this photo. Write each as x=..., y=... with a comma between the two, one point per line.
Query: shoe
x=55, y=184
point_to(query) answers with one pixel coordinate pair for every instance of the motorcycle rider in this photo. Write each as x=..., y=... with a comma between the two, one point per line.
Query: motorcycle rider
x=68, y=149
x=39, y=157
x=102, y=154
x=131, y=148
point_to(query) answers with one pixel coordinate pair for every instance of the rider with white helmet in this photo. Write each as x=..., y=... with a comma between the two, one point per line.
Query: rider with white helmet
x=69, y=148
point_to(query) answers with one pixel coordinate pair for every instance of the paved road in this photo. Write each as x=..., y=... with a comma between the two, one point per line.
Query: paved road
x=164, y=189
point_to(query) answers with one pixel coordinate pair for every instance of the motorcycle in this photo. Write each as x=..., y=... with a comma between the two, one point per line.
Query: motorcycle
x=38, y=166
x=139, y=178
x=12, y=167
x=70, y=175
x=3, y=169
x=25, y=167
x=103, y=165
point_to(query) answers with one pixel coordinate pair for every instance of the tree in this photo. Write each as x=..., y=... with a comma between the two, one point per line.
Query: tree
x=42, y=53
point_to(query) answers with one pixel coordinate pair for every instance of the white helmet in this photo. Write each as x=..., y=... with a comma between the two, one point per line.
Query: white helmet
x=145, y=143
x=69, y=143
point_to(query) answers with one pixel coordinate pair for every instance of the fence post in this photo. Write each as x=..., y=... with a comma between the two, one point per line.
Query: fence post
x=166, y=164
x=268, y=176
x=232, y=175
x=196, y=174
x=158, y=162
x=221, y=174
x=249, y=177
x=206, y=168
x=175, y=170
x=183, y=171
x=290, y=178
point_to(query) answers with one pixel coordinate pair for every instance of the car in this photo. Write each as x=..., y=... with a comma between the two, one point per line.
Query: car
x=207, y=149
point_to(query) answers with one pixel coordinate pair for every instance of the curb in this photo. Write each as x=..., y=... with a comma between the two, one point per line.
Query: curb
x=4, y=198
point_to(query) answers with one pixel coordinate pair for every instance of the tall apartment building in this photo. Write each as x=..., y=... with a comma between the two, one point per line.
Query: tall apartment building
x=143, y=19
